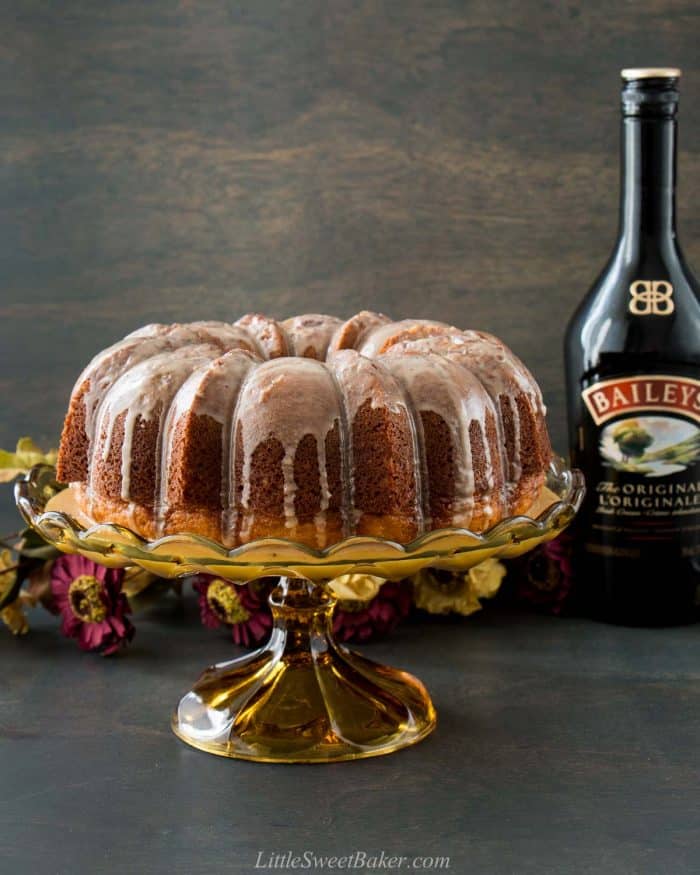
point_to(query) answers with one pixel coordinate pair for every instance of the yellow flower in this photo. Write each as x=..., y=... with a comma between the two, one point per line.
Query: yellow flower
x=355, y=587
x=225, y=603
x=12, y=615
x=486, y=578
x=8, y=573
x=444, y=593
x=26, y=455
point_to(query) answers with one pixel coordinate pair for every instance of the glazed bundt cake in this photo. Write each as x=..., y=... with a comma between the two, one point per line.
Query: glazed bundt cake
x=311, y=429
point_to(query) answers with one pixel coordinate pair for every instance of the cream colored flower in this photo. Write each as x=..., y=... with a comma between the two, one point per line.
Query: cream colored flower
x=26, y=455
x=486, y=578
x=444, y=593
x=355, y=587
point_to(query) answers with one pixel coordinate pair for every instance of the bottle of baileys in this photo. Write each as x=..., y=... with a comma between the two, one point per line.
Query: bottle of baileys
x=633, y=384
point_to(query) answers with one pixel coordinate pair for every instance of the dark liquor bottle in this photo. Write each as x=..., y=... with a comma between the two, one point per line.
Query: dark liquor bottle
x=633, y=386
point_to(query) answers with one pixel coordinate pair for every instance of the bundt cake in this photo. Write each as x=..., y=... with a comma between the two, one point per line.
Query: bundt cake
x=311, y=429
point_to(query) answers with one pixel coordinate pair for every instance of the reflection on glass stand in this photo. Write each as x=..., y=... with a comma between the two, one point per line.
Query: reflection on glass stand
x=302, y=697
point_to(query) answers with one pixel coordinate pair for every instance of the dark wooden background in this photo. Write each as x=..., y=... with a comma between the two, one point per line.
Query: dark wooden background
x=188, y=160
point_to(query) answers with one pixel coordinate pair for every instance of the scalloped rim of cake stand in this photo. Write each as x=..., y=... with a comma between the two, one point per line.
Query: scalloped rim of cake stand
x=177, y=555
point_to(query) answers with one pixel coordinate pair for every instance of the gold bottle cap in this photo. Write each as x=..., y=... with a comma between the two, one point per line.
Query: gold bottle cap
x=650, y=73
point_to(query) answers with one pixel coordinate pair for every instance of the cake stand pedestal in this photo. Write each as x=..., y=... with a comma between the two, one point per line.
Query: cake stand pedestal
x=302, y=697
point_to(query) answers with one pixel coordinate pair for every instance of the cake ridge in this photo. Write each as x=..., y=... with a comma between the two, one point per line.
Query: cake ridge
x=192, y=399
x=123, y=400
x=346, y=458
x=271, y=414
x=355, y=396
x=431, y=382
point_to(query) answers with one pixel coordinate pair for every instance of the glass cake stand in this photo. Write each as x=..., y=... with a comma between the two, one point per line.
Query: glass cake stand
x=302, y=697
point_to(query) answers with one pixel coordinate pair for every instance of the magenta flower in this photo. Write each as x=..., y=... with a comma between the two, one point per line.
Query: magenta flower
x=360, y=621
x=92, y=605
x=547, y=577
x=243, y=607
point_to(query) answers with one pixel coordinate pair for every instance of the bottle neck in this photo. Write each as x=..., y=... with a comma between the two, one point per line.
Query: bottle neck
x=648, y=185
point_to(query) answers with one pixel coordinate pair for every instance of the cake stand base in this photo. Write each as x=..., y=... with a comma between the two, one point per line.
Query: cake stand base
x=303, y=697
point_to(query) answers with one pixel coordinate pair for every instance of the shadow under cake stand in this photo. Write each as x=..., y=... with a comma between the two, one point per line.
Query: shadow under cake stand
x=302, y=697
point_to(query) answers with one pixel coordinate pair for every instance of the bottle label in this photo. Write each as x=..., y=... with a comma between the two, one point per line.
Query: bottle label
x=611, y=398
x=645, y=483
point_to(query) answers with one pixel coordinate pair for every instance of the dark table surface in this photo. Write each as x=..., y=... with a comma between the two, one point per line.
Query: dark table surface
x=562, y=746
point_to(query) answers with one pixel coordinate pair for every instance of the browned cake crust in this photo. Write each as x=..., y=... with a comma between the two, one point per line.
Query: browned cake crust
x=311, y=429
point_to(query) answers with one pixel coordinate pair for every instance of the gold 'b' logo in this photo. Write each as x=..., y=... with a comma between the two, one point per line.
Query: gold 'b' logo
x=651, y=298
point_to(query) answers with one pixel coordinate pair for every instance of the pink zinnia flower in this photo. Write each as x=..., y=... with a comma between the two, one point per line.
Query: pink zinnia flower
x=243, y=607
x=361, y=621
x=92, y=606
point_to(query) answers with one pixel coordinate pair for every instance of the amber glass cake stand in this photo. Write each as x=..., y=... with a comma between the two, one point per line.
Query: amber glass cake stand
x=302, y=697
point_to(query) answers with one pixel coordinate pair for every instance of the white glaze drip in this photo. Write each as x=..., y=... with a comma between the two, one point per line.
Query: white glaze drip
x=290, y=488
x=516, y=468
x=346, y=460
